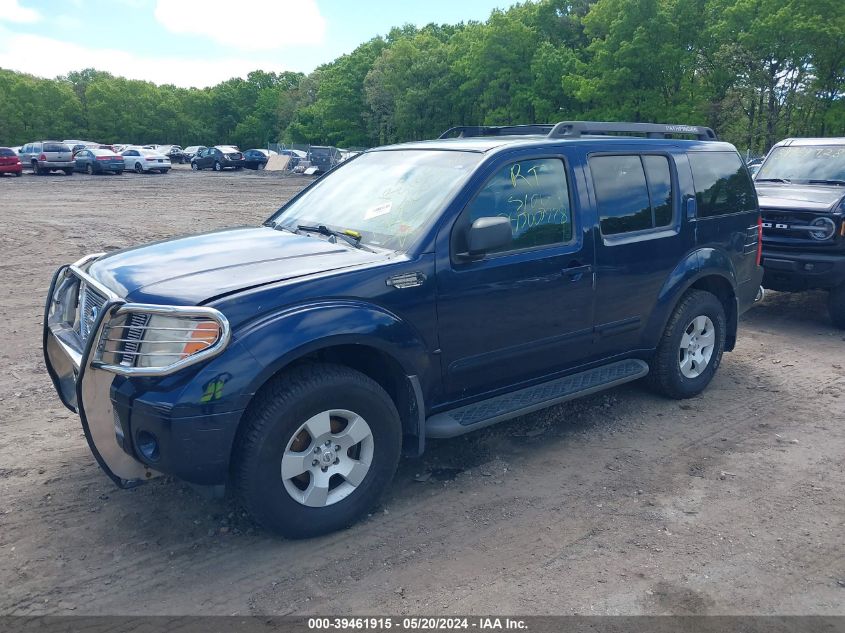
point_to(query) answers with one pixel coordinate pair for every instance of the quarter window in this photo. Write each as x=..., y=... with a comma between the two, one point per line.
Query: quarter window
x=533, y=195
x=722, y=184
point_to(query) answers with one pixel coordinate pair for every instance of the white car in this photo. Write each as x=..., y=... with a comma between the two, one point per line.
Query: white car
x=140, y=160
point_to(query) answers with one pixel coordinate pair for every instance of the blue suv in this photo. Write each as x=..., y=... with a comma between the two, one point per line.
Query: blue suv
x=417, y=291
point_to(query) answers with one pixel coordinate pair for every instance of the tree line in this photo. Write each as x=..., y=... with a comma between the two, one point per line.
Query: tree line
x=754, y=70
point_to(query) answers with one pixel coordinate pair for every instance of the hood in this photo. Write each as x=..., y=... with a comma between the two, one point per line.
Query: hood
x=192, y=270
x=795, y=197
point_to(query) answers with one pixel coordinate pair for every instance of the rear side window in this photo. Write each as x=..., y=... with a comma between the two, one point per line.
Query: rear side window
x=722, y=184
x=55, y=147
x=634, y=193
x=534, y=196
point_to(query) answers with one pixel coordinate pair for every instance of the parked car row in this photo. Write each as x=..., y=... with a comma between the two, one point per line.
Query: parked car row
x=43, y=157
x=72, y=155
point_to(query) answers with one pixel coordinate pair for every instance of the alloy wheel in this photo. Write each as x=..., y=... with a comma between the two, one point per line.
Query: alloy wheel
x=696, y=348
x=327, y=458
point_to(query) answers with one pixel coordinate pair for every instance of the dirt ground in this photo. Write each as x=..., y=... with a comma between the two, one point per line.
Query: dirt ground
x=620, y=503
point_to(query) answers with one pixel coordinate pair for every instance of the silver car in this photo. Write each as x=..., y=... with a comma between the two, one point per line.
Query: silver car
x=46, y=156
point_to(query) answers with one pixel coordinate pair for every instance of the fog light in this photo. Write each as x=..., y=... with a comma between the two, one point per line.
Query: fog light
x=809, y=267
x=148, y=445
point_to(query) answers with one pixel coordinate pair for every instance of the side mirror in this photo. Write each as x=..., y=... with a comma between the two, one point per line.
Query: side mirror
x=488, y=234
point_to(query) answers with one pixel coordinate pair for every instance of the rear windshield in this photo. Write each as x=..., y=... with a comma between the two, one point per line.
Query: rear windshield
x=5, y=151
x=56, y=147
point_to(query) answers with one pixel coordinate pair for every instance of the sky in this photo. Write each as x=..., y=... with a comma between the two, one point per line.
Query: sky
x=202, y=42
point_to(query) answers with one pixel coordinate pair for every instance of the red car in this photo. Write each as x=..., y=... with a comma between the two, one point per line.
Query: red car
x=10, y=163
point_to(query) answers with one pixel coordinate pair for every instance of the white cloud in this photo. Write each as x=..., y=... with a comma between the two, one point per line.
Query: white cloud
x=47, y=57
x=12, y=11
x=69, y=23
x=254, y=25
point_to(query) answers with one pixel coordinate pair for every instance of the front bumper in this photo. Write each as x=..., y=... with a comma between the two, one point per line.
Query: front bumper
x=114, y=414
x=794, y=272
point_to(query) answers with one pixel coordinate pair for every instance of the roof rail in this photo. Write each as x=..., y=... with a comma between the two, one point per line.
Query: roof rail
x=466, y=131
x=573, y=129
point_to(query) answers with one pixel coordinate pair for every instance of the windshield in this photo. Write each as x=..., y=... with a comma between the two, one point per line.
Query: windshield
x=804, y=163
x=387, y=197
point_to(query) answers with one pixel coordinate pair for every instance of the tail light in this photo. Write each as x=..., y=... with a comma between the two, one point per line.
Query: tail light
x=106, y=157
x=42, y=157
x=759, y=240
x=151, y=158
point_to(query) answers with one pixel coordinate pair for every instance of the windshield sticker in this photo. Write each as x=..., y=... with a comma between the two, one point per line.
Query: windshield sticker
x=376, y=211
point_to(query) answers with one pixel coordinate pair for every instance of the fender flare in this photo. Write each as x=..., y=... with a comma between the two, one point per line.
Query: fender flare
x=697, y=265
x=278, y=340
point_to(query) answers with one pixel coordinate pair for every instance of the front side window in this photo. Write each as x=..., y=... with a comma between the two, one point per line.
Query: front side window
x=387, y=197
x=633, y=192
x=533, y=195
x=722, y=184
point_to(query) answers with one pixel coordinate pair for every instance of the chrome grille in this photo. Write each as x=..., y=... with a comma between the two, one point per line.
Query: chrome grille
x=90, y=304
x=133, y=333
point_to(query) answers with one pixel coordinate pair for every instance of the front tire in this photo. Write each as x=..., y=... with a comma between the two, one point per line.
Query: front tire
x=194, y=166
x=690, y=351
x=319, y=447
x=836, y=306
x=89, y=169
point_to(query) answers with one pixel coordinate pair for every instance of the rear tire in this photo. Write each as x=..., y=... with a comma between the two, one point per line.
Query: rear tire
x=218, y=166
x=18, y=174
x=836, y=306
x=280, y=426
x=36, y=170
x=89, y=169
x=68, y=172
x=690, y=350
x=138, y=168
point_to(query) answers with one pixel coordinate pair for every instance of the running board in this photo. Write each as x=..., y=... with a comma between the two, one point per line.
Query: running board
x=511, y=405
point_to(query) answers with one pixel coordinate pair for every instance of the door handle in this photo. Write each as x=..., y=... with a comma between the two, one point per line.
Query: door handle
x=575, y=273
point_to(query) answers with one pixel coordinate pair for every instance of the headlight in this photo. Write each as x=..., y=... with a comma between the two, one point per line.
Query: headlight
x=167, y=340
x=158, y=340
x=826, y=230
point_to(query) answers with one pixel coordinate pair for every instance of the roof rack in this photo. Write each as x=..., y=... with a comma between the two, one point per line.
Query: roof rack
x=466, y=131
x=574, y=129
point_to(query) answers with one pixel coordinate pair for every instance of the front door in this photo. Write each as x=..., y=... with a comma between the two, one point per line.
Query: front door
x=525, y=311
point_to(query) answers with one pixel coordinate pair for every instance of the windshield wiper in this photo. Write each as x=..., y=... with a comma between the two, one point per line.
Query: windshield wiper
x=350, y=237
x=786, y=180
x=827, y=182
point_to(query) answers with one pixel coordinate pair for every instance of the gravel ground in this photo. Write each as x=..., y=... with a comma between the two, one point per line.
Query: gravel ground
x=620, y=503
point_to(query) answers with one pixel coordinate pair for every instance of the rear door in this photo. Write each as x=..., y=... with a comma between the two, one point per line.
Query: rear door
x=642, y=238
x=524, y=312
